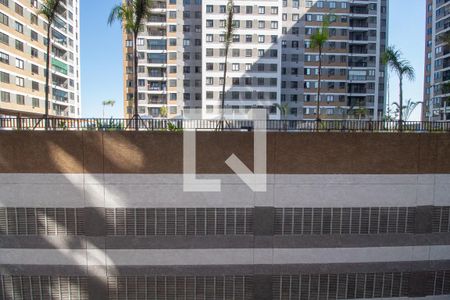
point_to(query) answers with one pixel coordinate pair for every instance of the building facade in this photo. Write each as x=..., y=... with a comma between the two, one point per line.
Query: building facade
x=23, y=38
x=437, y=67
x=270, y=62
x=105, y=220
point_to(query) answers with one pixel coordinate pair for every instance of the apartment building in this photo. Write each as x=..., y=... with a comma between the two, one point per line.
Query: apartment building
x=23, y=38
x=270, y=62
x=437, y=59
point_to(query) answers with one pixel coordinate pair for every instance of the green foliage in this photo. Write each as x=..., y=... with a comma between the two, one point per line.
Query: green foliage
x=173, y=128
x=230, y=24
x=48, y=9
x=163, y=111
x=321, y=36
x=393, y=59
x=132, y=14
x=408, y=109
x=283, y=108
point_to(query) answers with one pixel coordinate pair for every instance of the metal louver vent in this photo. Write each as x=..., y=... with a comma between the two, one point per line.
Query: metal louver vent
x=324, y=221
x=441, y=219
x=41, y=221
x=180, y=287
x=179, y=221
x=340, y=286
x=441, y=283
x=43, y=287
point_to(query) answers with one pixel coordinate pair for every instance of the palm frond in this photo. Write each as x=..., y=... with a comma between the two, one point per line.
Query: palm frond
x=392, y=57
x=321, y=36
x=230, y=24
x=131, y=14
x=142, y=10
x=48, y=9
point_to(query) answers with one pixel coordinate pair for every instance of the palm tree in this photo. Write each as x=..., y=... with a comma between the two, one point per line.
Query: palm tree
x=227, y=43
x=133, y=14
x=283, y=108
x=393, y=58
x=107, y=103
x=318, y=40
x=48, y=9
x=407, y=109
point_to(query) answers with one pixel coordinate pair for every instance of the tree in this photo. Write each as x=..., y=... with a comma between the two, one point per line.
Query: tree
x=283, y=108
x=407, y=109
x=227, y=43
x=163, y=111
x=318, y=40
x=48, y=9
x=133, y=14
x=107, y=103
x=403, y=68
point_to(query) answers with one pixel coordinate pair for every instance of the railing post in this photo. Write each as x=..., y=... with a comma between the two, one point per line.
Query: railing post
x=19, y=123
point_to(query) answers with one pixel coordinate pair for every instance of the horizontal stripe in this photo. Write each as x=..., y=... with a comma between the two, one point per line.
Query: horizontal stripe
x=160, y=190
x=315, y=153
x=243, y=256
x=226, y=242
x=215, y=270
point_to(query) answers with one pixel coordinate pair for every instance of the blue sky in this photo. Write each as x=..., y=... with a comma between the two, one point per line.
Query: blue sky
x=101, y=53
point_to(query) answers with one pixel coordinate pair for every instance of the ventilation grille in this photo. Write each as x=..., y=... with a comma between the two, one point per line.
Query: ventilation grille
x=441, y=219
x=41, y=221
x=179, y=221
x=188, y=288
x=370, y=220
x=341, y=286
x=43, y=288
x=441, y=283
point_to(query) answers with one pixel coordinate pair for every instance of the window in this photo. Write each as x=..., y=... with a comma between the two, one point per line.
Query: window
x=262, y=10
x=19, y=27
x=18, y=9
x=34, y=35
x=34, y=52
x=249, y=9
x=35, y=102
x=20, y=99
x=4, y=2
x=274, y=10
x=209, y=80
x=261, y=39
x=19, y=45
x=209, y=38
x=4, y=58
x=20, y=81
x=35, y=86
x=4, y=19
x=261, y=24
x=274, y=25
x=235, y=67
x=209, y=9
x=19, y=63
x=5, y=96
x=248, y=38
x=4, y=38
x=33, y=19
x=248, y=24
x=4, y=77
x=34, y=69
x=209, y=23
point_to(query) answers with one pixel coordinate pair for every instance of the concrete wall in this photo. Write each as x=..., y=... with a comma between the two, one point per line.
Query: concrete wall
x=344, y=216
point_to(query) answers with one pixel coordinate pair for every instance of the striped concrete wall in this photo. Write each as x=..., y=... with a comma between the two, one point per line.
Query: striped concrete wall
x=104, y=216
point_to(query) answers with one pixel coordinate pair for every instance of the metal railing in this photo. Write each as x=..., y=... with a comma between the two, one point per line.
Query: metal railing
x=94, y=124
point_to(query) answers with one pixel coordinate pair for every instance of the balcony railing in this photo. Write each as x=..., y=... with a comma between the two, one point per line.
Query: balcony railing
x=17, y=123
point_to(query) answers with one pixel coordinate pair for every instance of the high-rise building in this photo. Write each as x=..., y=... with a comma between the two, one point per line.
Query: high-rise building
x=270, y=61
x=437, y=71
x=23, y=41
